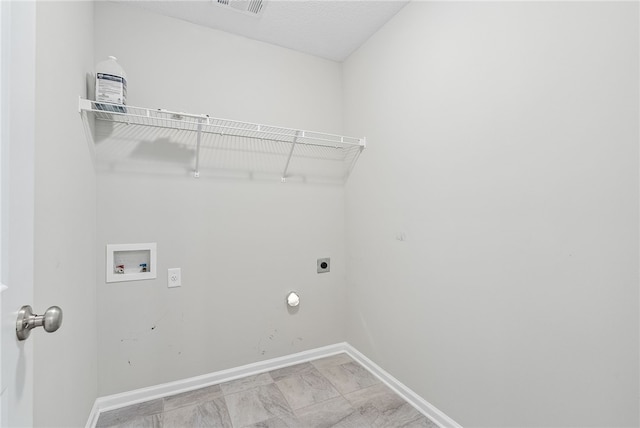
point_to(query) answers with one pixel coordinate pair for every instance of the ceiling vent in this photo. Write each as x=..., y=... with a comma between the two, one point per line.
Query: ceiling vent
x=247, y=7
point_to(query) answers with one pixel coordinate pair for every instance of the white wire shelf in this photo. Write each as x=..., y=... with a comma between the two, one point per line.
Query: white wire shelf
x=297, y=152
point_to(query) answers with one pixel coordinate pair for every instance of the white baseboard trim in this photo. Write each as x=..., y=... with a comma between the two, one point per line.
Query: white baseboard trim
x=128, y=398
x=422, y=405
x=93, y=416
x=116, y=401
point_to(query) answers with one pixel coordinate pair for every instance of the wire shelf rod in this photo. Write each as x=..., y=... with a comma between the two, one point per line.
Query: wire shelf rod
x=234, y=131
x=276, y=140
x=196, y=173
x=215, y=125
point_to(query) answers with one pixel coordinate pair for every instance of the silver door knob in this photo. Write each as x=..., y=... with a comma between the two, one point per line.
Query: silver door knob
x=27, y=320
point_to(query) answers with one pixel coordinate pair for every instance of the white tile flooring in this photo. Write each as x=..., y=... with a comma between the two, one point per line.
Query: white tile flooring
x=329, y=392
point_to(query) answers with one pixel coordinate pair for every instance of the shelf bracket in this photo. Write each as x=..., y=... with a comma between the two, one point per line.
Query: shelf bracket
x=196, y=173
x=83, y=105
x=286, y=167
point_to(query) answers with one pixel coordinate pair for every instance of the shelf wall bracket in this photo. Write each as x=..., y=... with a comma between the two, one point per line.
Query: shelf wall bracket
x=293, y=145
x=196, y=173
x=83, y=104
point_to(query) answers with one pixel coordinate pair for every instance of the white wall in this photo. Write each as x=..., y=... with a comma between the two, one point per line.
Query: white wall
x=504, y=145
x=65, y=217
x=241, y=244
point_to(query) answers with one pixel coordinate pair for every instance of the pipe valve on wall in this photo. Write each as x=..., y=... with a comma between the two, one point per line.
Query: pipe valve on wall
x=293, y=299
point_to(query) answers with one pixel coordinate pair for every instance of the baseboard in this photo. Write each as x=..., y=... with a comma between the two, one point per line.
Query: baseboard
x=128, y=398
x=93, y=416
x=422, y=405
x=116, y=401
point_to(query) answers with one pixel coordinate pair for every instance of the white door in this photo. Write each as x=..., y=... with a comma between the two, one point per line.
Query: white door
x=17, y=111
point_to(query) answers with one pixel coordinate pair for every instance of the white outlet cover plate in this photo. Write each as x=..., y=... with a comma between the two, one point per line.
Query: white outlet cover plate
x=174, y=277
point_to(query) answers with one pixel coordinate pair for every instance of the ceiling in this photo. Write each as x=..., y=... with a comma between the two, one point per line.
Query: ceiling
x=324, y=28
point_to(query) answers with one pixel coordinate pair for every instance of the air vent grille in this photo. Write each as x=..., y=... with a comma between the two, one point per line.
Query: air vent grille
x=249, y=7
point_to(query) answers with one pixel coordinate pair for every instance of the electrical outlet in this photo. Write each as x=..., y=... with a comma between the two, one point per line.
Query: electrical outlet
x=324, y=265
x=174, y=277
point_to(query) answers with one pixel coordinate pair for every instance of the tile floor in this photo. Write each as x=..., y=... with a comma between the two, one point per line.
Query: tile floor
x=330, y=392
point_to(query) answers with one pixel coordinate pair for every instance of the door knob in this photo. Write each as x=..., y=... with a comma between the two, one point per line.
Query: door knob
x=27, y=320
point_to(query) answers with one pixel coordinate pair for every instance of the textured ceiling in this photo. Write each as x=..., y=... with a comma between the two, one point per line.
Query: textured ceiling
x=324, y=28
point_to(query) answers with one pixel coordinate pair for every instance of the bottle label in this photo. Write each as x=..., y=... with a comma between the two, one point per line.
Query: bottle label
x=111, y=88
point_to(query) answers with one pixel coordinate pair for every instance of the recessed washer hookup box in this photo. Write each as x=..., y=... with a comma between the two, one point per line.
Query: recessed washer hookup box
x=130, y=262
